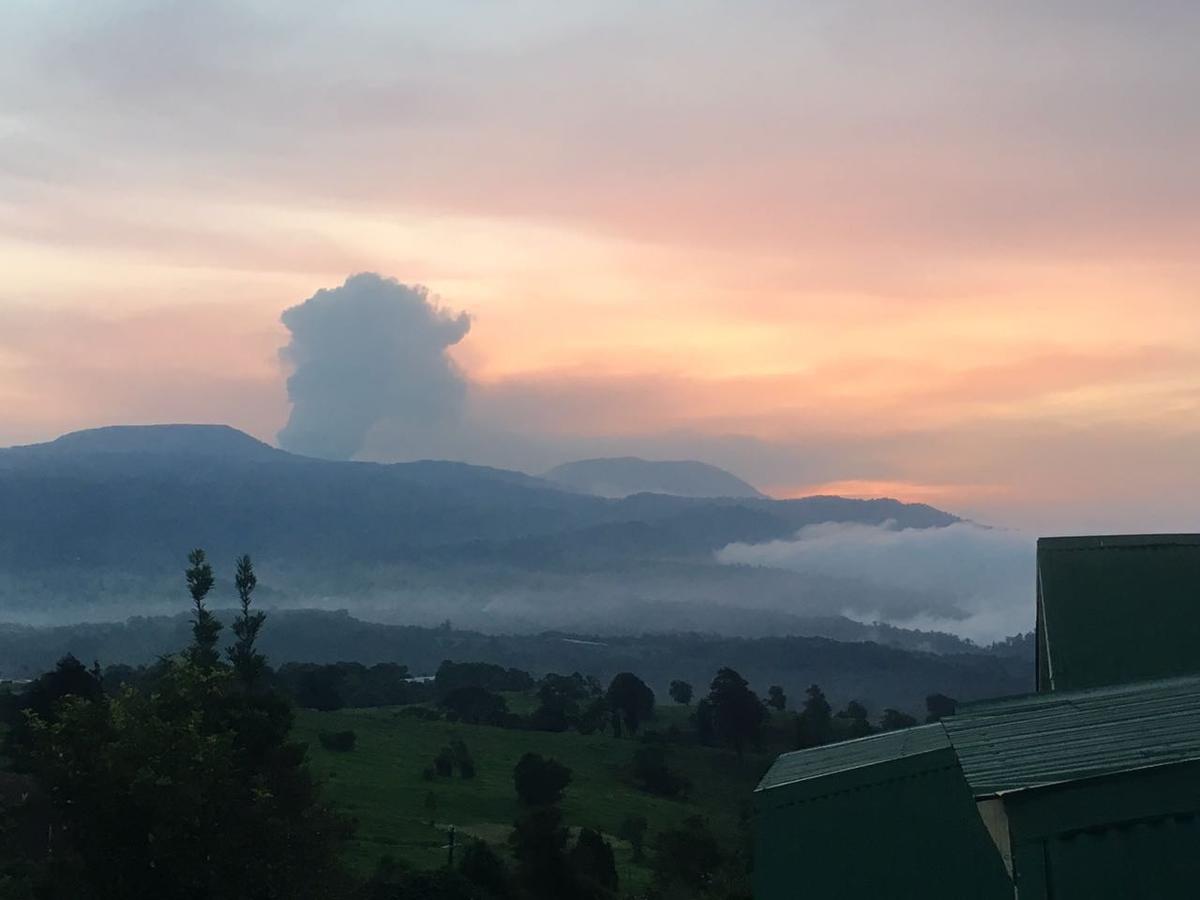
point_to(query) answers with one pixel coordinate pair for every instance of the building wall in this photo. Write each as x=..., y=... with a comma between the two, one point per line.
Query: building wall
x=1132, y=836
x=902, y=828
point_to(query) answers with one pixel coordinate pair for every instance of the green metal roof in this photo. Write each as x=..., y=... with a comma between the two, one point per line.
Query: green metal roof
x=1117, y=609
x=816, y=762
x=1041, y=739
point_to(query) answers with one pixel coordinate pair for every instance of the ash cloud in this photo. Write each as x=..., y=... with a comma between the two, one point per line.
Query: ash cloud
x=977, y=582
x=370, y=351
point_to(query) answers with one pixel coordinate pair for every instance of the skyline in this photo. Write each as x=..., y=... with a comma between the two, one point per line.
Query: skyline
x=945, y=256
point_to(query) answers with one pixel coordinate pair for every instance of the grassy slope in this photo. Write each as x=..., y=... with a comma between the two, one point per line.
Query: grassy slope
x=381, y=785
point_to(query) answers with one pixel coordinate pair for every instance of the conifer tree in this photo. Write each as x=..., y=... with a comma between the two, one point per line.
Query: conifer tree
x=248, y=664
x=205, y=627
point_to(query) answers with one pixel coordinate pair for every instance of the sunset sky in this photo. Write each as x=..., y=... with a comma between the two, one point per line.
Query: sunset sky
x=942, y=251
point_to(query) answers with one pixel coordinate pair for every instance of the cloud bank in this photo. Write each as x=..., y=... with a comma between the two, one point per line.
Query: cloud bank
x=369, y=351
x=978, y=581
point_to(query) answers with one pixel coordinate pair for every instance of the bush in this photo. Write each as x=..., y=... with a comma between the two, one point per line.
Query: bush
x=653, y=775
x=540, y=781
x=443, y=763
x=462, y=758
x=338, y=741
x=475, y=705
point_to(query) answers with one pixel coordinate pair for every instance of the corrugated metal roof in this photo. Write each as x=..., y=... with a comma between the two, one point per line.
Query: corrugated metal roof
x=1024, y=742
x=1119, y=608
x=876, y=748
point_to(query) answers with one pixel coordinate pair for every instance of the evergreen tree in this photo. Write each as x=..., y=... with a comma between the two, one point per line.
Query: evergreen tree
x=814, y=724
x=776, y=699
x=205, y=627
x=631, y=700
x=248, y=664
x=857, y=720
x=738, y=714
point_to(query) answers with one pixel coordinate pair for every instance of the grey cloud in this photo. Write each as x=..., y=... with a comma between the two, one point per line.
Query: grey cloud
x=369, y=351
x=978, y=581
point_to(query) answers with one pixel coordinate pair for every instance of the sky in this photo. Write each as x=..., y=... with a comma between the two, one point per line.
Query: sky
x=941, y=251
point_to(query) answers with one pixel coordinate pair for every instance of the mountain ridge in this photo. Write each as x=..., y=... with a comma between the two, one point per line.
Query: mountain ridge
x=622, y=476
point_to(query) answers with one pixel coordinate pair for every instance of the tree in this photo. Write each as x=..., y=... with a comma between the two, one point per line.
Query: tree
x=189, y=789
x=70, y=678
x=482, y=867
x=631, y=700
x=205, y=627
x=248, y=664
x=939, y=706
x=894, y=720
x=738, y=714
x=592, y=858
x=686, y=859
x=681, y=692
x=633, y=830
x=814, y=724
x=540, y=781
x=706, y=729
x=776, y=699
x=538, y=842
x=857, y=720
x=476, y=705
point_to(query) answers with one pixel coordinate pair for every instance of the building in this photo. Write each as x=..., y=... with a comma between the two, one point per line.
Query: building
x=1089, y=788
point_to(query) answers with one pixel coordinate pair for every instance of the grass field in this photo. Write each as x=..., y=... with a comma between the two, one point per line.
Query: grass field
x=380, y=784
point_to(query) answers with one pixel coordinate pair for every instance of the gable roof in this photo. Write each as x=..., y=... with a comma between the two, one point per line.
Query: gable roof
x=1042, y=739
x=1118, y=608
x=851, y=755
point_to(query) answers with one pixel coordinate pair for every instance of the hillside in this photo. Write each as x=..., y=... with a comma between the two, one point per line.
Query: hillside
x=625, y=475
x=380, y=784
x=878, y=666
x=96, y=524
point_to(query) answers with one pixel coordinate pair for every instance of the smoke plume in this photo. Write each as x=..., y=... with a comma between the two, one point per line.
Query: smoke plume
x=369, y=351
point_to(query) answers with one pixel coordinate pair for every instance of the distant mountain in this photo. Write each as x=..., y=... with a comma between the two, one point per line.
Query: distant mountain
x=211, y=441
x=625, y=475
x=97, y=525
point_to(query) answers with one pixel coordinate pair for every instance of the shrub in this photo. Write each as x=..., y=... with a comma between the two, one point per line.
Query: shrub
x=653, y=775
x=443, y=763
x=540, y=781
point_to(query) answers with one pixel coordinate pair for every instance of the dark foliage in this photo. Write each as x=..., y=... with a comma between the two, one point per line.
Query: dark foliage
x=939, y=706
x=814, y=725
x=539, y=846
x=248, y=663
x=738, y=714
x=70, y=678
x=776, y=699
x=686, y=860
x=562, y=701
x=451, y=676
x=475, y=705
x=854, y=720
x=540, y=781
x=894, y=720
x=205, y=627
x=630, y=700
x=481, y=866
x=706, y=727
x=653, y=774
x=592, y=859
x=681, y=692
x=349, y=684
